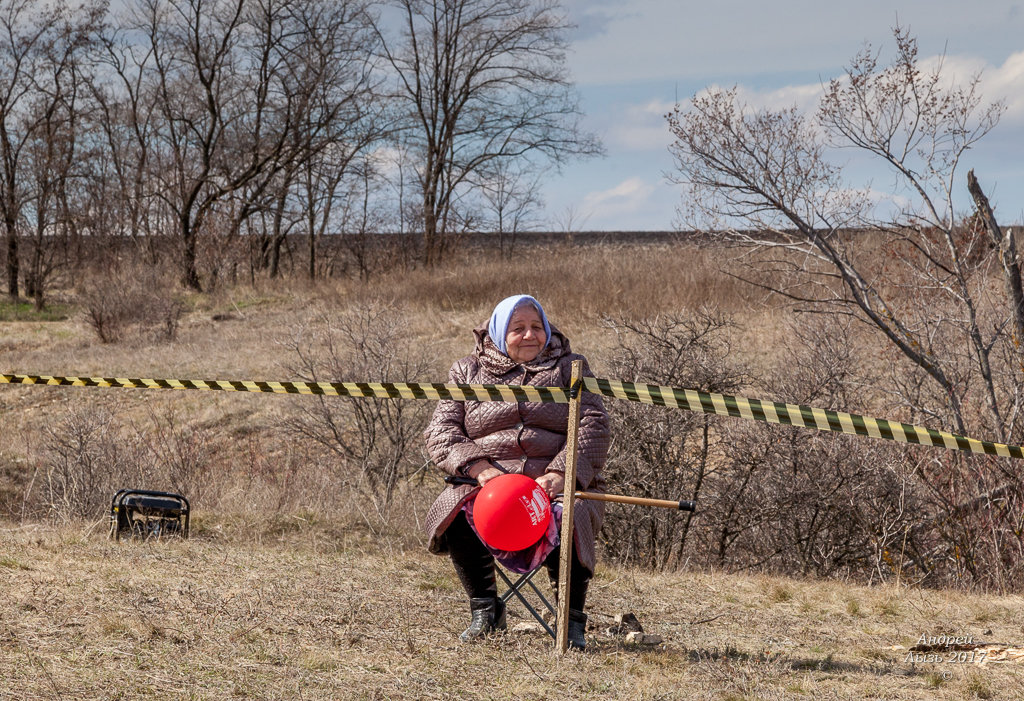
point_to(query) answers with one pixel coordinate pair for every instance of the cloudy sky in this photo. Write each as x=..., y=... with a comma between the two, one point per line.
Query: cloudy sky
x=633, y=61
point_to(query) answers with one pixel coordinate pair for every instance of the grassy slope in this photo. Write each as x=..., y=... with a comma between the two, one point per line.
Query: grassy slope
x=262, y=606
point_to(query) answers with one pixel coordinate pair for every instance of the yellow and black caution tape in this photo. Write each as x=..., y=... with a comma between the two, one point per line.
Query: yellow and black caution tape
x=795, y=415
x=709, y=403
x=384, y=390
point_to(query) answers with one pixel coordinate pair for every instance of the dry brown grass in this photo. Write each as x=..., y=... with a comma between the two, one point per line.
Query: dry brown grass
x=323, y=611
x=296, y=593
x=579, y=282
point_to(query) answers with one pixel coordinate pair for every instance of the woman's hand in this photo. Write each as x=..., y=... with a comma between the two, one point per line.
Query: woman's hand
x=551, y=483
x=483, y=472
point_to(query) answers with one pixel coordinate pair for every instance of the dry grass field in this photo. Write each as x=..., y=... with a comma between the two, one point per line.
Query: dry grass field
x=298, y=610
x=292, y=587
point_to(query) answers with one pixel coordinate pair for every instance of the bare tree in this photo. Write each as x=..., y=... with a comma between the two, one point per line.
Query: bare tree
x=481, y=81
x=512, y=198
x=570, y=221
x=23, y=32
x=920, y=277
x=341, y=117
x=763, y=178
x=40, y=49
x=232, y=94
x=213, y=79
x=57, y=147
x=397, y=170
x=127, y=119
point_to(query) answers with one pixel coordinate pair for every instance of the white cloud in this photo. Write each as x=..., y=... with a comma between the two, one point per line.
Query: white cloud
x=1006, y=82
x=805, y=97
x=641, y=127
x=778, y=55
x=629, y=196
x=387, y=159
x=1003, y=82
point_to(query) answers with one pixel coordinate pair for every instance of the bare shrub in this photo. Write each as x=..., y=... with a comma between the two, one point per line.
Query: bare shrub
x=969, y=532
x=770, y=498
x=806, y=502
x=828, y=505
x=138, y=298
x=86, y=462
x=377, y=440
x=89, y=454
x=658, y=452
x=180, y=453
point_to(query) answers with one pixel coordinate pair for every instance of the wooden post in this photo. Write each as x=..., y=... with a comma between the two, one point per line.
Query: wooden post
x=568, y=503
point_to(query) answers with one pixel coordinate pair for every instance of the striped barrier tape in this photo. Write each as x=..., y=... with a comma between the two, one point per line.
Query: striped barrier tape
x=384, y=390
x=795, y=415
x=798, y=415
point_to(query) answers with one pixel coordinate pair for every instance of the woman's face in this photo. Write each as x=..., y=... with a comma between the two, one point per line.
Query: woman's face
x=525, y=335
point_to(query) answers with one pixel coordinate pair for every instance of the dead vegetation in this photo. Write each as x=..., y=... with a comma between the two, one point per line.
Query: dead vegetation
x=307, y=577
x=295, y=609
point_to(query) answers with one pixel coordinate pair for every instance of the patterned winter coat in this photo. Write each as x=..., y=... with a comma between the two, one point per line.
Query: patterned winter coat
x=527, y=437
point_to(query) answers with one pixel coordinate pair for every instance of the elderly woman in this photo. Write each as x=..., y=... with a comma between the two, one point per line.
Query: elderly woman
x=483, y=440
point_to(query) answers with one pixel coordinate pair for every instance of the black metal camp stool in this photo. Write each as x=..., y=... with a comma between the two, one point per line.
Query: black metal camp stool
x=515, y=588
x=148, y=514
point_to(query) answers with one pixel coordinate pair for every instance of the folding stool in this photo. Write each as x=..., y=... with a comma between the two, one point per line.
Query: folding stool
x=515, y=588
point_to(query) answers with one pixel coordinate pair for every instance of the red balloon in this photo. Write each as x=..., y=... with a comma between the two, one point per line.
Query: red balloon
x=511, y=512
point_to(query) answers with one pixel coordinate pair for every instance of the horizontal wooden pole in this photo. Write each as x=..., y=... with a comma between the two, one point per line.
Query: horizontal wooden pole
x=639, y=501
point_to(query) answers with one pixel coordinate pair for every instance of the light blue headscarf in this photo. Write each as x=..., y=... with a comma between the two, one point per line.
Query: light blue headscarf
x=498, y=326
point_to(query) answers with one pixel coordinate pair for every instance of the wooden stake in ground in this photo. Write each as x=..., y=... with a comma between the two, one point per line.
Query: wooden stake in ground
x=568, y=502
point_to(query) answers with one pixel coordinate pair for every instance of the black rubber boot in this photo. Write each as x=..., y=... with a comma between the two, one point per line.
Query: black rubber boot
x=473, y=562
x=579, y=577
x=488, y=616
x=577, y=630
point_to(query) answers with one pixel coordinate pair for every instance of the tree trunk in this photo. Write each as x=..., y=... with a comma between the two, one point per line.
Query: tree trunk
x=312, y=255
x=1008, y=257
x=275, y=254
x=429, y=230
x=12, y=260
x=277, y=233
x=190, y=278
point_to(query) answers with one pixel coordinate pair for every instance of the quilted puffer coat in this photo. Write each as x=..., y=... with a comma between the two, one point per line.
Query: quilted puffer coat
x=527, y=437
